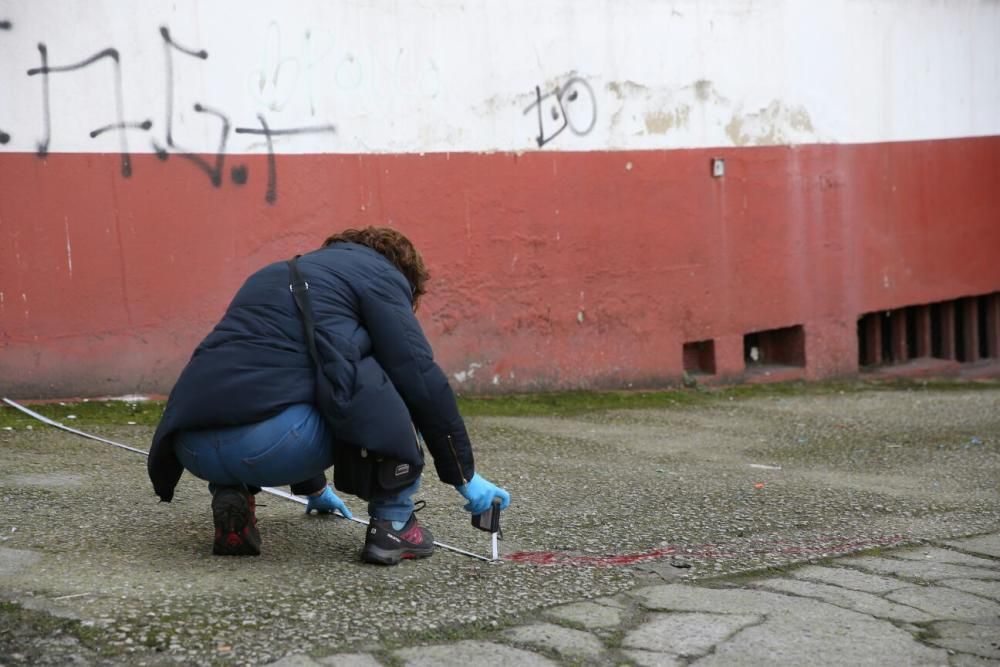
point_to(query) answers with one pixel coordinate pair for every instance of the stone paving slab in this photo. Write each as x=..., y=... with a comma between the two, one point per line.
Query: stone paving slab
x=687, y=634
x=824, y=634
x=848, y=599
x=919, y=570
x=986, y=589
x=337, y=660
x=986, y=545
x=565, y=642
x=968, y=660
x=647, y=659
x=468, y=652
x=937, y=555
x=686, y=597
x=875, y=643
x=848, y=578
x=299, y=660
x=593, y=614
x=350, y=660
x=948, y=604
x=980, y=640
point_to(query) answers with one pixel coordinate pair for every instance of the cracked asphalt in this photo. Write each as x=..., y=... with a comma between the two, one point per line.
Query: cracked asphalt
x=722, y=532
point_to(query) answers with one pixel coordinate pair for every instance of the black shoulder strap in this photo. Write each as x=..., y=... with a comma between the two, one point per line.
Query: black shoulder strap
x=300, y=292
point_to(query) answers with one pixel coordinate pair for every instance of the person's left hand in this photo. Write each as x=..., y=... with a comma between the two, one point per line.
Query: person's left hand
x=327, y=502
x=480, y=493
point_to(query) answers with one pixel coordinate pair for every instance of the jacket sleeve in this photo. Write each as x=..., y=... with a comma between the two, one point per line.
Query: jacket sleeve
x=400, y=347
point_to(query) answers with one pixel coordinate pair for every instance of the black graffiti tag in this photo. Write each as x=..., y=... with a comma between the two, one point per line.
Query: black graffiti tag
x=4, y=137
x=580, y=118
x=268, y=133
x=121, y=124
x=212, y=169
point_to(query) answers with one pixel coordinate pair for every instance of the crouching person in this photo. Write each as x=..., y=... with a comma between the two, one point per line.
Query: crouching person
x=317, y=363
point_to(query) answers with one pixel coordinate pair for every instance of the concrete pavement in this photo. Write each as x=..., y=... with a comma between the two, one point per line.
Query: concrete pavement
x=930, y=605
x=629, y=542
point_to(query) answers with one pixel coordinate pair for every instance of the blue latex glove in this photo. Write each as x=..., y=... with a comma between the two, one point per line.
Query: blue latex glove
x=326, y=502
x=480, y=493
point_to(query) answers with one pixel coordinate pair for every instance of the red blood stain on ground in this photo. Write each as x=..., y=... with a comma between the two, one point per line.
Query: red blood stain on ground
x=828, y=546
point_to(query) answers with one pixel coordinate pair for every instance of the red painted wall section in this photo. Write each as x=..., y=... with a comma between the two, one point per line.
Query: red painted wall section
x=549, y=270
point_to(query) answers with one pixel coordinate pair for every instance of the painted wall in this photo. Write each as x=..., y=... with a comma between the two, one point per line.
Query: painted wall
x=552, y=161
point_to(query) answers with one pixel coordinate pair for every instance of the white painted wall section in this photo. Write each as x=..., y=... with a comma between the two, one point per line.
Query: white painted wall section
x=445, y=75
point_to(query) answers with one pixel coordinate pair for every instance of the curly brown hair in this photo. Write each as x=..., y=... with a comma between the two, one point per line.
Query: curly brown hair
x=393, y=246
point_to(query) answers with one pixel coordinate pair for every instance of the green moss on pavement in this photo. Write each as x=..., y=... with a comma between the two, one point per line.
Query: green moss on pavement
x=20, y=626
x=148, y=412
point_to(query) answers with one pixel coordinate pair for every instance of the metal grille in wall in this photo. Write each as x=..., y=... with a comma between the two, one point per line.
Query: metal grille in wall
x=965, y=330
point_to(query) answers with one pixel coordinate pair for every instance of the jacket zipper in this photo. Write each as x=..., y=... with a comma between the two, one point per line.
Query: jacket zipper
x=416, y=440
x=457, y=462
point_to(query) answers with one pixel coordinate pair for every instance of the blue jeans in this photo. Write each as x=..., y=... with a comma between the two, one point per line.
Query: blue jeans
x=292, y=446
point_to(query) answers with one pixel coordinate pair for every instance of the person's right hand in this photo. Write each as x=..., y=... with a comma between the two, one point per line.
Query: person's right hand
x=480, y=493
x=326, y=503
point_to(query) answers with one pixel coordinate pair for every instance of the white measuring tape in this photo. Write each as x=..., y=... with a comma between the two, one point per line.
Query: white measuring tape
x=266, y=489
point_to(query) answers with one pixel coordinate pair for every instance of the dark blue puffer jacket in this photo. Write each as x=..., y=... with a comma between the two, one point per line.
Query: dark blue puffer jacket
x=255, y=363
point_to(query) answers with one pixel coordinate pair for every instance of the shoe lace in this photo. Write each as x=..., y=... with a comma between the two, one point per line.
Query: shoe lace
x=419, y=505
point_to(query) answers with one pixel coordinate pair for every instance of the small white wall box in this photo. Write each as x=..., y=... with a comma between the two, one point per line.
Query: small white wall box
x=718, y=167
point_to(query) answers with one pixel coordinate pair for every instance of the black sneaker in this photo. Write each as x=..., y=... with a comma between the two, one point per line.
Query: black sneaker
x=236, y=534
x=385, y=546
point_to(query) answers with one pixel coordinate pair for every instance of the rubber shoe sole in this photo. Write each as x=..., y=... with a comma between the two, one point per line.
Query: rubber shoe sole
x=385, y=546
x=236, y=532
x=379, y=556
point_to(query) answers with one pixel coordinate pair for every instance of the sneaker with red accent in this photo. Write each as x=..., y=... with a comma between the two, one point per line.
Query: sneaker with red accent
x=234, y=513
x=386, y=546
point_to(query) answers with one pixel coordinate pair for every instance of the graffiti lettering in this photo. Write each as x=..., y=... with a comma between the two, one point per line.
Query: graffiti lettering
x=121, y=125
x=169, y=46
x=272, y=170
x=144, y=125
x=4, y=137
x=213, y=167
x=212, y=170
x=274, y=83
x=580, y=118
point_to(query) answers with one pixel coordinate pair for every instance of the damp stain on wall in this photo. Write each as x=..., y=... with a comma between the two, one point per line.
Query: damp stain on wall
x=777, y=123
x=661, y=122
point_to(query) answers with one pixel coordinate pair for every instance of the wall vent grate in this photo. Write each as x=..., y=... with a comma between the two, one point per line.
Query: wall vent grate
x=775, y=347
x=965, y=330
